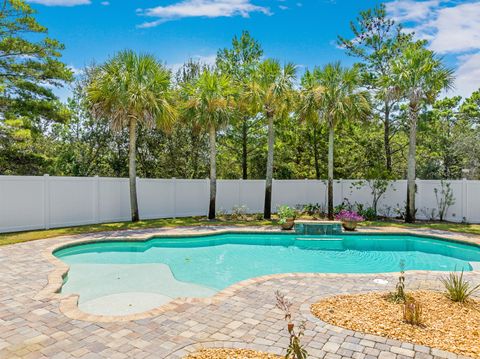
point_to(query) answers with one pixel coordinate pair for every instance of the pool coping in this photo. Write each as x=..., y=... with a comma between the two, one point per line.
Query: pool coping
x=68, y=303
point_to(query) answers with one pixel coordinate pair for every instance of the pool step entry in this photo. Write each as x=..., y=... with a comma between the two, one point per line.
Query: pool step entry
x=318, y=227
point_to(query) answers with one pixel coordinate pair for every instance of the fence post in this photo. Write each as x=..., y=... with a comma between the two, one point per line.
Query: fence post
x=96, y=199
x=342, y=195
x=240, y=202
x=418, y=198
x=174, y=182
x=465, y=200
x=46, y=201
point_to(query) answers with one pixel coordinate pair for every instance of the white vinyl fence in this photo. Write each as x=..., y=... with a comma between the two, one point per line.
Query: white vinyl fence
x=35, y=202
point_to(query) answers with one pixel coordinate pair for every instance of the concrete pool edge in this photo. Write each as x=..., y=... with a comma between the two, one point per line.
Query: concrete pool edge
x=68, y=303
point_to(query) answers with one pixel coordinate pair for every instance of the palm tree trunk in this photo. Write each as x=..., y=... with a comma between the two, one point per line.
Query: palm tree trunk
x=213, y=173
x=331, y=134
x=132, y=169
x=412, y=148
x=386, y=138
x=267, y=209
x=244, y=149
x=316, y=155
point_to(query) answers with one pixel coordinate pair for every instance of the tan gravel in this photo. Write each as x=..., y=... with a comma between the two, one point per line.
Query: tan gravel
x=221, y=353
x=450, y=326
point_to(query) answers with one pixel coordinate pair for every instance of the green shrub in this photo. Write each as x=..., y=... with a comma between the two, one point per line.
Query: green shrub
x=458, y=289
x=367, y=213
x=285, y=212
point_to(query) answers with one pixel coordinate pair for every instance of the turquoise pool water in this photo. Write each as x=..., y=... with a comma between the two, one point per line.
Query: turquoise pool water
x=167, y=268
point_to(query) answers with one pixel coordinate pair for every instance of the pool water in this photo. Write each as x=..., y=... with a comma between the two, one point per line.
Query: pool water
x=141, y=275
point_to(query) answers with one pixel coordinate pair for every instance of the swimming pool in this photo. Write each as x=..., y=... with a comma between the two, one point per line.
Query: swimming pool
x=119, y=277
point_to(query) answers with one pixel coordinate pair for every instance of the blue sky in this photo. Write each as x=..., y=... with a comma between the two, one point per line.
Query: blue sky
x=301, y=31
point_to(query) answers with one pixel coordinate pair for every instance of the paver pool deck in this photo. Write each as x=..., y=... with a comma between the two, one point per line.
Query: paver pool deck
x=35, y=322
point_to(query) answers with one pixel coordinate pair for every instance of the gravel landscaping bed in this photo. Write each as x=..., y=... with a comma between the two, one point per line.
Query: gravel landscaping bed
x=221, y=353
x=446, y=325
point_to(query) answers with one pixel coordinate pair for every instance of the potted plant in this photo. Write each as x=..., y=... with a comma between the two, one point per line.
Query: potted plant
x=286, y=215
x=349, y=219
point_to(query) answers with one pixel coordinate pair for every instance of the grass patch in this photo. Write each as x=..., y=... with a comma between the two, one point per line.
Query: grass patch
x=444, y=226
x=18, y=237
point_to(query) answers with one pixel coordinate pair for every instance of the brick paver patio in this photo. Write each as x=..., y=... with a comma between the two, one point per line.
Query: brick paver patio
x=33, y=326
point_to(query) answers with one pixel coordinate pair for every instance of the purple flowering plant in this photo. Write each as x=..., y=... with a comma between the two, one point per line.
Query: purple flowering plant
x=345, y=215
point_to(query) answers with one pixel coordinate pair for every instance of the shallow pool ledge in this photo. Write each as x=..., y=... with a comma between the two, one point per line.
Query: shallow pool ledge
x=318, y=227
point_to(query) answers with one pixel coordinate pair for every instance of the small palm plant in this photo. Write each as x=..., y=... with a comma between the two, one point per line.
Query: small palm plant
x=399, y=295
x=458, y=289
x=295, y=348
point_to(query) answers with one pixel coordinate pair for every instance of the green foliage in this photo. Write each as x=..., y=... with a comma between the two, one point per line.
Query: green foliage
x=285, y=212
x=40, y=135
x=457, y=288
x=30, y=69
x=312, y=209
x=377, y=40
x=368, y=213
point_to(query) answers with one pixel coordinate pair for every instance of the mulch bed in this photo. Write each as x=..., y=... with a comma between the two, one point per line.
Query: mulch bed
x=221, y=353
x=450, y=326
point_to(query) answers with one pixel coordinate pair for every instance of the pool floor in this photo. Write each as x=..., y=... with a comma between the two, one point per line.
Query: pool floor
x=117, y=278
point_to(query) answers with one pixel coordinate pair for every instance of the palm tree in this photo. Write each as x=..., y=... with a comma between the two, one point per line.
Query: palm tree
x=418, y=75
x=209, y=104
x=333, y=94
x=131, y=90
x=271, y=89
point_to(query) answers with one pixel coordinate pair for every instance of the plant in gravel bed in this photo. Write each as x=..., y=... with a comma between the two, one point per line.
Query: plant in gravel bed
x=295, y=348
x=412, y=312
x=458, y=289
x=399, y=296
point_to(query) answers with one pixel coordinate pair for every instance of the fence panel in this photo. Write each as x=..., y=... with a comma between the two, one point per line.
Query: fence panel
x=35, y=202
x=471, y=201
x=156, y=198
x=22, y=203
x=113, y=200
x=252, y=194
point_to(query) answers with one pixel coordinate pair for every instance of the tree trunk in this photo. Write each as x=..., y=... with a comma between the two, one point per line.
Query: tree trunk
x=386, y=138
x=132, y=170
x=331, y=134
x=412, y=148
x=267, y=209
x=213, y=173
x=315, y=154
x=244, y=149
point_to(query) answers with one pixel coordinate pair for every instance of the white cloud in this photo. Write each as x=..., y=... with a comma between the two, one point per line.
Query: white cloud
x=451, y=28
x=206, y=60
x=76, y=71
x=410, y=10
x=468, y=74
x=60, y=2
x=201, y=8
x=283, y=7
x=457, y=28
x=105, y=3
